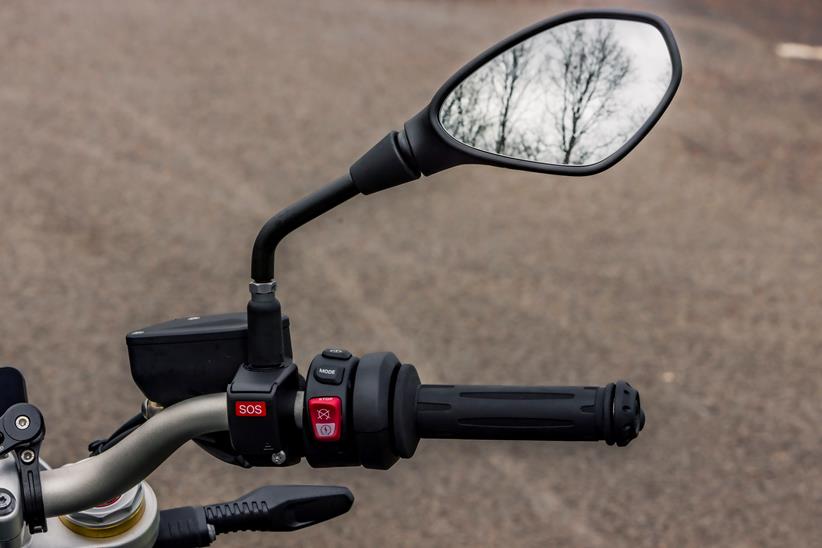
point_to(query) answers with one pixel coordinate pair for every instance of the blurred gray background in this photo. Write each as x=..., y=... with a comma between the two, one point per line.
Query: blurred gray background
x=142, y=145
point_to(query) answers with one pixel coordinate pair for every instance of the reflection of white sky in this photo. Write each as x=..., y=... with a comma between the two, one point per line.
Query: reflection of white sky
x=638, y=95
x=651, y=58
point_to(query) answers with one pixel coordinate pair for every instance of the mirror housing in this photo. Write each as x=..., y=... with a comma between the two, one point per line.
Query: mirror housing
x=425, y=147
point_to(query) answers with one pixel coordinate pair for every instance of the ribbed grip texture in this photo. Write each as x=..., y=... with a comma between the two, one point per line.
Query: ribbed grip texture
x=568, y=413
x=228, y=517
x=280, y=508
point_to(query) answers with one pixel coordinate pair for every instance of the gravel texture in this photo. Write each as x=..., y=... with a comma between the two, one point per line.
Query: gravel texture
x=142, y=144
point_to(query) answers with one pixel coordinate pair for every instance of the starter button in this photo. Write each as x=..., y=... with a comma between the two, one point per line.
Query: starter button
x=326, y=417
x=337, y=354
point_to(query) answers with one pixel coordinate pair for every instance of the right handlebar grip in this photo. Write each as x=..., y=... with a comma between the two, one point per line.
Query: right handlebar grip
x=568, y=413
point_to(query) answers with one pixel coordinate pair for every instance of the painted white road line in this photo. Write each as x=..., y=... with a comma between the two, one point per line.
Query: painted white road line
x=791, y=50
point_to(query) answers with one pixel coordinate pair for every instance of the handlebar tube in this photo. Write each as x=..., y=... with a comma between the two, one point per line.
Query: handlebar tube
x=75, y=487
x=612, y=413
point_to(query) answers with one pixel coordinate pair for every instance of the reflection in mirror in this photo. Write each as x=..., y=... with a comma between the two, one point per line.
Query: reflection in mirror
x=571, y=95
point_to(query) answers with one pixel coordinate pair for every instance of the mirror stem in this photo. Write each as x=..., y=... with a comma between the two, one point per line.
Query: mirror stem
x=265, y=337
x=292, y=218
x=388, y=163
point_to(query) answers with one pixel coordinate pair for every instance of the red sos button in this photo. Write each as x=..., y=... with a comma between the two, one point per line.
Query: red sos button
x=249, y=409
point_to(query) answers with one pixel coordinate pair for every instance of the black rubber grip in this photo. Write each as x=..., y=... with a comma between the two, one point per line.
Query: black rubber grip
x=567, y=413
x=279, y=508
x=184, y=527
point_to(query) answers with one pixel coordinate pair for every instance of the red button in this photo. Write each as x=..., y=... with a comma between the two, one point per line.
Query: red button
x=249, y=408
x=326, y=417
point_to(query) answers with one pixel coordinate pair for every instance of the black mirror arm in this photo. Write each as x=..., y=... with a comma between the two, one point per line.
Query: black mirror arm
x=265, y=338
x=389, y=163
x=293, y=217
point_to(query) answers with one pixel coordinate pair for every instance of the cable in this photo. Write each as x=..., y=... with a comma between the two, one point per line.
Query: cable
x=98, y=446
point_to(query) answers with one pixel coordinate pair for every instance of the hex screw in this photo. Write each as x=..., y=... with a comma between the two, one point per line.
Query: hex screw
x=27, y=456
x=22, y=422
x=278, y=458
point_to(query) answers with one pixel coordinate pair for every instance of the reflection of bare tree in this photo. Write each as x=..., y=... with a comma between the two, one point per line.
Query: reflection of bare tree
x=591, y=68
x=479, y=111
x=559, y=97
x=512, y=66
x=458, y=114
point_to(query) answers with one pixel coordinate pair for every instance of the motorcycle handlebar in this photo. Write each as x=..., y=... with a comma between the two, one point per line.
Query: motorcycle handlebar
x=81, y=485
x=611, y=413
x=566, y=413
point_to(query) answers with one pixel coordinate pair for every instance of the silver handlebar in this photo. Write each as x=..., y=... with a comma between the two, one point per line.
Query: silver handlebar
x=75, y=487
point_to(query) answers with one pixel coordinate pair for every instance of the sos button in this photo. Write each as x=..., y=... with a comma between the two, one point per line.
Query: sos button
x=249, y=409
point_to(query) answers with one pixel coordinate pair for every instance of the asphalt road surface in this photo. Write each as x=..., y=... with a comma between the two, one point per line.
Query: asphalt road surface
x=142, y=145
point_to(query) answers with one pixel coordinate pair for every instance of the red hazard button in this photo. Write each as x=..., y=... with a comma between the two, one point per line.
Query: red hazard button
x=326, y=417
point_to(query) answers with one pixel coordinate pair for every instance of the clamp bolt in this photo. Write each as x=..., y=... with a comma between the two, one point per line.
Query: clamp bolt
x=27, y=456
x=278, y=458
x=22, y=422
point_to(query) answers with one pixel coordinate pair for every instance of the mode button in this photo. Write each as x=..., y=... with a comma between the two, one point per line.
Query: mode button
x=329, y=374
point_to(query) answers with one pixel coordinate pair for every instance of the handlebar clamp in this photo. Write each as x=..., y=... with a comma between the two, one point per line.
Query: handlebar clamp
x=22, y=430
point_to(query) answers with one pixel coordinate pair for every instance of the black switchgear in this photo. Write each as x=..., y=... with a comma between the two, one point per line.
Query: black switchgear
x=261, y=415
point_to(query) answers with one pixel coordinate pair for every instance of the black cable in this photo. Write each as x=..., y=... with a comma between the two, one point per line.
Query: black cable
x=98, y=446
x=134, y=421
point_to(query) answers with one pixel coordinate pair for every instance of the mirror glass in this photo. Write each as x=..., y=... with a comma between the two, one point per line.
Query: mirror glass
x=571, y=95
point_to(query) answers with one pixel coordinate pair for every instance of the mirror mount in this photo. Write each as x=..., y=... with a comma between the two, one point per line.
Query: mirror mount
x=389, y=163
x=432, y=150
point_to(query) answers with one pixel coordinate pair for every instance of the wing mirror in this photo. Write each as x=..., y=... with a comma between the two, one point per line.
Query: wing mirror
x=571, y=95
